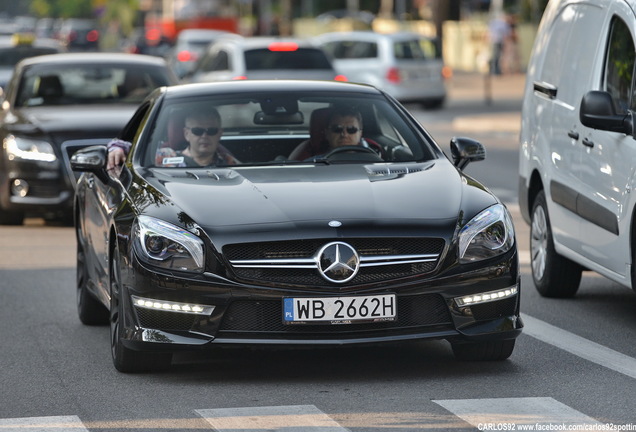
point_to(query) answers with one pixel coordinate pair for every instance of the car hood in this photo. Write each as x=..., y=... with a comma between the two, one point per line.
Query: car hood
x=398, y=198
x=74, y=121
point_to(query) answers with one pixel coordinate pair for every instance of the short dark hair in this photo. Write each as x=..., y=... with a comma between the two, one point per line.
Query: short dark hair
x=199, y=112
x=345, y=111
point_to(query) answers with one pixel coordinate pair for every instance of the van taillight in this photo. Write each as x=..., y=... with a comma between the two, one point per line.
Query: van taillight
x=393, y=75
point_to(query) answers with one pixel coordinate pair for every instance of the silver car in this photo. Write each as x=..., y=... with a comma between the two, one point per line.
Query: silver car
x=189, y=46
x=263, y=58
x=408, y=66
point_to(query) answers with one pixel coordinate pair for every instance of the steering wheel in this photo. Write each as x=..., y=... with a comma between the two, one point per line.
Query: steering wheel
x=342, y=150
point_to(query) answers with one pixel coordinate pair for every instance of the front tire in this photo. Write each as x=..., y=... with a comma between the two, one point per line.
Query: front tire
x=484, y=351
x=553, y=275
x=125, y=359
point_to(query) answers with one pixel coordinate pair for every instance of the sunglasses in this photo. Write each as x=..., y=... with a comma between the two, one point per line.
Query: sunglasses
x=338, y=129
x=199, y=131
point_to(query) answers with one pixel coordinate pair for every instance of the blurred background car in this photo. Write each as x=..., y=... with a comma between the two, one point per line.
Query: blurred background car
x=149, y=42
x=79, y=34
x=188, y=47
x=406, y=65
x=19, y=46
x=263, y=58
x=52, y=105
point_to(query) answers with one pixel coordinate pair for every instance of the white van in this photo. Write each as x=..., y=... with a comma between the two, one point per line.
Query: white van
x=577, y=170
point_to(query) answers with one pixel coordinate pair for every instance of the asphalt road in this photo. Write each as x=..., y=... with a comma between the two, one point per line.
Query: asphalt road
x=574, y=366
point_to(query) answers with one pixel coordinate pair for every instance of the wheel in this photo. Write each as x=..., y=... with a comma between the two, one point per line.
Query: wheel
x=483, y=351
x=553, y=275
x=125, y=359
x=89, y=309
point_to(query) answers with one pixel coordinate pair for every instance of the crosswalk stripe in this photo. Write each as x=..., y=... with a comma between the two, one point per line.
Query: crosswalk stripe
x=43, y=424
x=503, y=413
x=579, y=346
x=276, y=418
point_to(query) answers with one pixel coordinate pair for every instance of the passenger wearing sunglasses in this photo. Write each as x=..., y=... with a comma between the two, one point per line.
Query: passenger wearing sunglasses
x=202, y=131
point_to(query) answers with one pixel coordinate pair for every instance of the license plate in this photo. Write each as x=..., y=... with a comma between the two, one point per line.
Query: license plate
x=339, y=310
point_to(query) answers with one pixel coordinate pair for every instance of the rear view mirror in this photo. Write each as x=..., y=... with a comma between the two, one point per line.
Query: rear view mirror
x=91, y=159
x=466, y=150
x=262, y=118
x=597, y=111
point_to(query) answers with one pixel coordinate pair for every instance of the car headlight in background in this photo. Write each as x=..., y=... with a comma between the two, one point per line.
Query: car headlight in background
x=487, y=235
x=28, y=149
x=164, y=245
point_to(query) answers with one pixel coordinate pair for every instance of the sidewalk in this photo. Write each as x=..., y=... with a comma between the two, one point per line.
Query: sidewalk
x=497, y=98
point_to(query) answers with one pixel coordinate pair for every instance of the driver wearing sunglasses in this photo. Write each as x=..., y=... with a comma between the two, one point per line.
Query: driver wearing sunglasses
x=344, y=128
x=202, y=131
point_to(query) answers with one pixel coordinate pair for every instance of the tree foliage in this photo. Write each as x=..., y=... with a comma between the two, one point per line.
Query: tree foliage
x=62, y=8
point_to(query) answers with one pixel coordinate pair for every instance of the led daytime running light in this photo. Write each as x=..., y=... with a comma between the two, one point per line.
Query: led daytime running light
x=486, y=297
x=168, y=306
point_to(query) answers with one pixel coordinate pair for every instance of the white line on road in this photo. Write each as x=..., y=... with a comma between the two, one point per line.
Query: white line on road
x=579, y=346
x=494, y=414
x=289, y=418
x=43, y=424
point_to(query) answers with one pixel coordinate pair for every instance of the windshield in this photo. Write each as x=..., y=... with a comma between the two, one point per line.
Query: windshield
x=301, y=58
x=88, y=84
x=282, y=128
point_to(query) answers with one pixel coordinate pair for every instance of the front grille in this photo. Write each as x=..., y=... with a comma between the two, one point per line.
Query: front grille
x=265, y=318
x=305, y=272
x=494, y=309
x=44, y=189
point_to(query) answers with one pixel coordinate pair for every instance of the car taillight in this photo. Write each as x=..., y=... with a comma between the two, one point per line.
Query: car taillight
x=239, y=77
x=153, y=35
x=92, y=36
x=340, y=78
x=283, y=46
x=185, y=56
x=393, y=75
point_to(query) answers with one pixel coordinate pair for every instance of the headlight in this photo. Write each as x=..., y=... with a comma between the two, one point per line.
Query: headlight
x=488, y=234
x=165, y=245
x=28, y=149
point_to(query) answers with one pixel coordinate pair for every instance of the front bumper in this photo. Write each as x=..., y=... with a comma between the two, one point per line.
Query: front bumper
x=253, y=315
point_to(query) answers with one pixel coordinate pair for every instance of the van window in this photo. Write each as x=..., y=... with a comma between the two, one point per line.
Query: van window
x=408, y=50
x=571, y=49
x=351, y=49
x=619, y=66
x=556, y=46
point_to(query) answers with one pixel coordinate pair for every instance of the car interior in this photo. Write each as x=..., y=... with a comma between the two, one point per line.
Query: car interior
x=274, y=130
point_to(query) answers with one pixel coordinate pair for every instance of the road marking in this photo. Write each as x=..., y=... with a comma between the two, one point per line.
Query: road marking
x=277, y=418
x=42, y=424
x=579, y=346
x=494, y=414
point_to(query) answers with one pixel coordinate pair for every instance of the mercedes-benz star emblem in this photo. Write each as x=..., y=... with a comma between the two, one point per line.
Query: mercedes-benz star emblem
x=338, y=262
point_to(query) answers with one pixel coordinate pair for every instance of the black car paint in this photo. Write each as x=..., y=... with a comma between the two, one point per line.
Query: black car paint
x=256, y=204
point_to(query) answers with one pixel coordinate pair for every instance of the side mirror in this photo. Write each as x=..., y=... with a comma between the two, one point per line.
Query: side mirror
x=466, y=150
x=92, y=159
x=597, y=111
